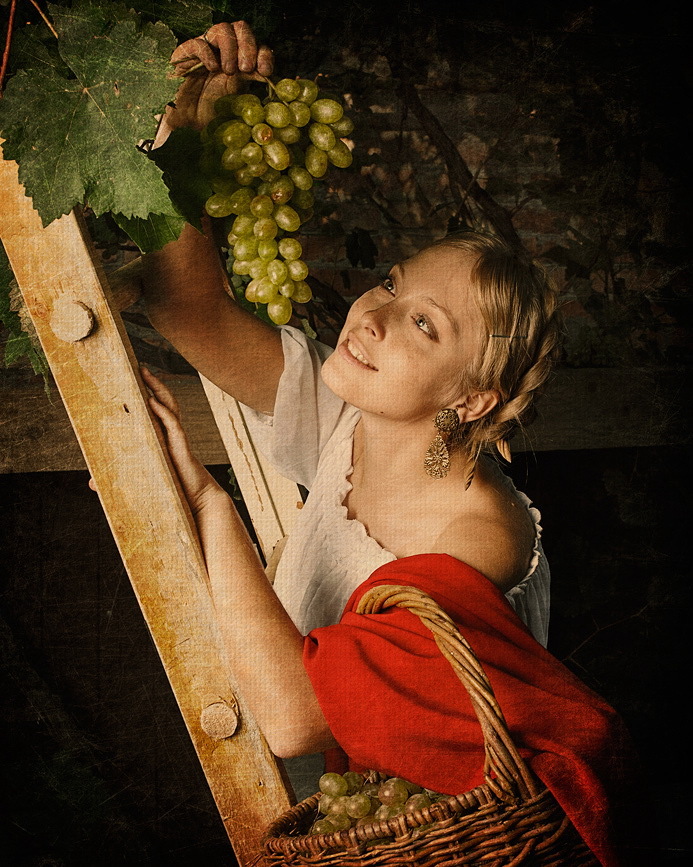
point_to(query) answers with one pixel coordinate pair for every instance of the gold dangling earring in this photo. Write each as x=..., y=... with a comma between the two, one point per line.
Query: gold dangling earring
x=437, y=460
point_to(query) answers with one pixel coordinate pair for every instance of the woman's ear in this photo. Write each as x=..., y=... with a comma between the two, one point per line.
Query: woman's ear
x=477, y=404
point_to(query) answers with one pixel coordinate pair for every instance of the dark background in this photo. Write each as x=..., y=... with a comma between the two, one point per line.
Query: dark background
x=97, y=767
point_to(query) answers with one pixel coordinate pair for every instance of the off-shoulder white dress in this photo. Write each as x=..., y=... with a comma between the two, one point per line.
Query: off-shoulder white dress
x=309, y=440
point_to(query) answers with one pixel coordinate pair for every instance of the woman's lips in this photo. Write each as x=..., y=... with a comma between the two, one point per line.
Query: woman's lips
x=353, y=353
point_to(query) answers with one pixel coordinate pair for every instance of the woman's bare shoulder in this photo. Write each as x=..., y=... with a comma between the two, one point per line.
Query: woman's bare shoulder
x=491, y=531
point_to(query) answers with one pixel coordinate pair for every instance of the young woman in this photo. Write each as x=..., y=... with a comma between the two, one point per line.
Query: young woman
x=394, y=434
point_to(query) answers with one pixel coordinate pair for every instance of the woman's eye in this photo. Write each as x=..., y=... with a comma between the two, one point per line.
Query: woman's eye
x=422, y=323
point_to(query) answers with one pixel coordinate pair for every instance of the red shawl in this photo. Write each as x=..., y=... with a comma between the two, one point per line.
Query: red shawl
x=394, y=703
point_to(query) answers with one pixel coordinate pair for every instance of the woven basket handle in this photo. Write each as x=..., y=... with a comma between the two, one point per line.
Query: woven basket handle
x=505, y=771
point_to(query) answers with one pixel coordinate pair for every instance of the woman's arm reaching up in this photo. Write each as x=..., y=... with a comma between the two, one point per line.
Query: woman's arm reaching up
x=264, y=648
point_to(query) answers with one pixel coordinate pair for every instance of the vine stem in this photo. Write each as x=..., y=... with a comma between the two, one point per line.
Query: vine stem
x=8, y=43
x=43, y=15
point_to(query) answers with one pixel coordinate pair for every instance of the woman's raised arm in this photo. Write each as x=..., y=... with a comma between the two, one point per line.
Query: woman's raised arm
x=184, y=283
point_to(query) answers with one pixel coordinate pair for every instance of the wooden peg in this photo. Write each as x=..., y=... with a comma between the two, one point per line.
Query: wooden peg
x=219, y=720
x=71, y=320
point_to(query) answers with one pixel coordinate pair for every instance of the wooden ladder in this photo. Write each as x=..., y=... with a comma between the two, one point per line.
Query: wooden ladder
x=77, y=317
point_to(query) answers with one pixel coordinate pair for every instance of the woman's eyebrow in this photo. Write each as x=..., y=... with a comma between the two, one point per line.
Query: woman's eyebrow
x=454, y=325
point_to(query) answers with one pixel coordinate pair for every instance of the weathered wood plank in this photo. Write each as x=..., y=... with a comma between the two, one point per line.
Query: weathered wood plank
x=271, y=500
x=98, y=379
x=583, y=409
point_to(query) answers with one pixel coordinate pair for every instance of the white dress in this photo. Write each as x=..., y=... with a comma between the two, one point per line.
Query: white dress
x=309, y=440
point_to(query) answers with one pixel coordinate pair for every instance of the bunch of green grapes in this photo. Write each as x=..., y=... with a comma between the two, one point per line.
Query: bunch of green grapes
x=348, y=800
x=262, y=158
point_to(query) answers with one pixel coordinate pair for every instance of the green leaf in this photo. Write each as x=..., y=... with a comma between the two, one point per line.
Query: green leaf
x=179, y=158
x=187, y=17
x=75, y=136
x=154, y=232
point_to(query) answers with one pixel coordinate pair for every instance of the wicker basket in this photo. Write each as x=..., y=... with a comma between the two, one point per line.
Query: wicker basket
x=511, y=820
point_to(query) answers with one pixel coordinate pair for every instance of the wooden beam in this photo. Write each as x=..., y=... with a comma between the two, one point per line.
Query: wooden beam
x=98, y=379
x=597, y=408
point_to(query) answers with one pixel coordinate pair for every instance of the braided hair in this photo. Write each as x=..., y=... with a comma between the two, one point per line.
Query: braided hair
x=519, y=307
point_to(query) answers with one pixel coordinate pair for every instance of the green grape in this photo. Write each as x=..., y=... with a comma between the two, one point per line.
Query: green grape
x=393, y=791
x=289, y=134
x=246, y=247
x=261, y=206
x=298, y=270
x=253, y=114
x=266, y=292
x=343, y=127
x=324, y=803
x=366, y=820
x=299, y=113
x=251, y=291
x=277, y=272
x=241, y=266
x=355, y=782
x=326, y=110
x=417, y=802
x=414, y=788
x=252, y=152
x=225, y=186
x=239, y=101
x=322, y=826
x=340, y=821
x=231, y=239
x=287, y=89
x=286, y=218
x=233, y=133
x=225, y=105
x=303, y=199
x=277, y=155
x=262, y=133
x=281, y=190
x=244, y=224
x=265, y=227
x=287, y=290
x=290, y=248
x=301, y=178
x=257, y=170
x=340, y=155
x=244, y=176
x=271, y=174
x=386, y=811
x=321, y=136
x=358, y=806
x=219, y=205
x=308, y=92
x=267, y=249
x=241, y=200
x=370, y=789
x=277, y=114
x=258, y=268
x=339, y=804
x=302, y=292
x=332, y=783
x=316, y=161
x=207, y=134
x=232, y=160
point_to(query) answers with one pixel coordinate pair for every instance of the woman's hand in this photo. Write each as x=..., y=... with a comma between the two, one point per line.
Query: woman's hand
x=229, y=54
x=198, y=485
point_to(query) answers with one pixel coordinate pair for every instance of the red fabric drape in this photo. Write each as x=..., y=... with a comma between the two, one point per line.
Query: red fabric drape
x=394, y=703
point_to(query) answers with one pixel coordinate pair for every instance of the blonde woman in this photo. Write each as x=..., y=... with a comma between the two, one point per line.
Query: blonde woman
x=394, y=434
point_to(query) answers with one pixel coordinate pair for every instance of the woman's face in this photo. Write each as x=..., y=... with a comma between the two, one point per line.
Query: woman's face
x=406, y=343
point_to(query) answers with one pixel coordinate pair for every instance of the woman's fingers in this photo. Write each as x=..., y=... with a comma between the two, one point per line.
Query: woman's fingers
x=230, y=48
x=160, y=391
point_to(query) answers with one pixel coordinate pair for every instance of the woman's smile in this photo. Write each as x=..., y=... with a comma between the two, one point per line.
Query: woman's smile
x=353, y=353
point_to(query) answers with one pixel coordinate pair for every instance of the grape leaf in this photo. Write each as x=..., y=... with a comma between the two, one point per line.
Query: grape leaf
x=75, y=135
x=152, y=233
x=187, y=17
x=179, y=159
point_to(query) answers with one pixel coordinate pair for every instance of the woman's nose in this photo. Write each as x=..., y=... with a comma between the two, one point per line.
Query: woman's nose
x=373, y=321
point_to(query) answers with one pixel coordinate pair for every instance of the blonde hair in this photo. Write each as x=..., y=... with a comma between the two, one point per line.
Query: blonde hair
x=519, y=306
